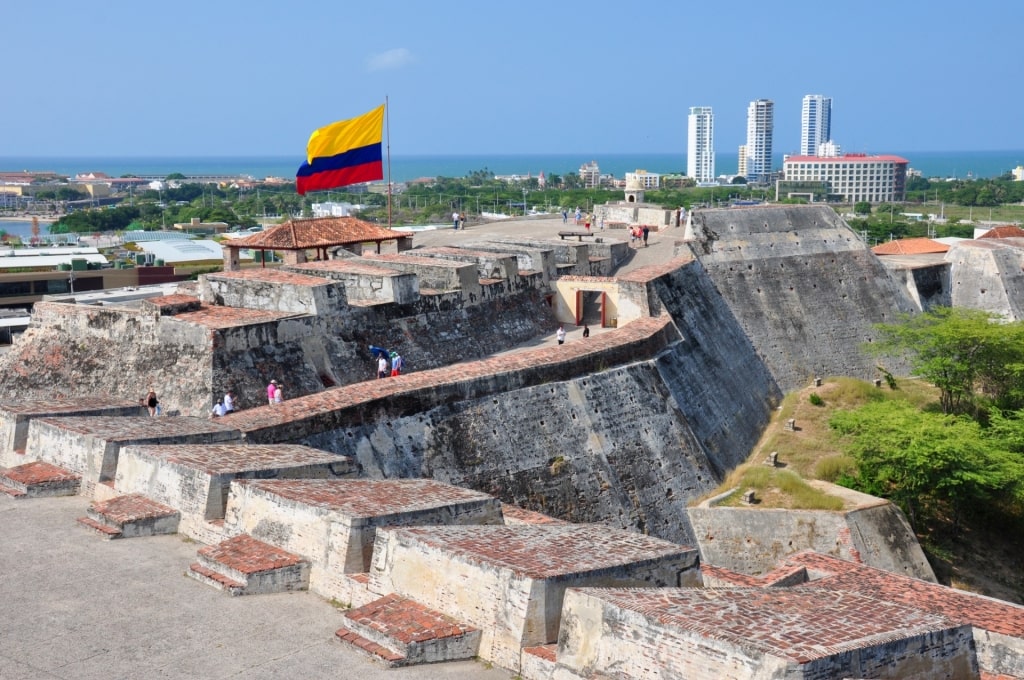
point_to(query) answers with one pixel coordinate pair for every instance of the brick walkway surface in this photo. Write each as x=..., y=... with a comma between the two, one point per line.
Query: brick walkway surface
x=78, y=609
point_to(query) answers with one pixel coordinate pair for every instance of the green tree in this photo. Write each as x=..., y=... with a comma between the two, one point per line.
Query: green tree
x=862, y=208
x=930, y=464
x=963, y=352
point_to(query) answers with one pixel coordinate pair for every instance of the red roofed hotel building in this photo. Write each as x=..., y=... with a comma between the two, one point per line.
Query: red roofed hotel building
x=852, y=177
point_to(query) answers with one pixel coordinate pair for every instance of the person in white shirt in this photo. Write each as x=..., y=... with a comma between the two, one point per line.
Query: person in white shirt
x=455, y=220
x=229, y=402
x=560, y=335
x=382, y=367
x=218, y=409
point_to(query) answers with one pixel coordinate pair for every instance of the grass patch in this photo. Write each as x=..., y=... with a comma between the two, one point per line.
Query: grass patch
x=813, y=451
x=777, y=488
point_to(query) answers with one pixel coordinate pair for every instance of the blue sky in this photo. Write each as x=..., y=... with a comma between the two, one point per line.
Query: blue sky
x=254, y=78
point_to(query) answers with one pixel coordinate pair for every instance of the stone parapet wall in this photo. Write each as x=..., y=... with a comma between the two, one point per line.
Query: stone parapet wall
x=754, y=541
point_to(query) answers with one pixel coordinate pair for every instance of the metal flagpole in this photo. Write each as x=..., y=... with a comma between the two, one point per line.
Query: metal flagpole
x=387, y=123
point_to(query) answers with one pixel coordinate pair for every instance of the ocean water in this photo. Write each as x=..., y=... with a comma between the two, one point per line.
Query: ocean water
x=960, y=164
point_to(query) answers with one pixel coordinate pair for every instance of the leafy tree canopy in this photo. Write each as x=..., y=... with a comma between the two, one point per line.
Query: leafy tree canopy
x=966, y=353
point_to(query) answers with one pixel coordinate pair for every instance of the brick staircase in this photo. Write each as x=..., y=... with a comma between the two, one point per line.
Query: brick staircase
x=397, y=631
x=130, y=516
x=244, y=566
x=38, y=479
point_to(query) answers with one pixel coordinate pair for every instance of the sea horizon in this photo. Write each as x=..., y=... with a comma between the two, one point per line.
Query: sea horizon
x=404, y=168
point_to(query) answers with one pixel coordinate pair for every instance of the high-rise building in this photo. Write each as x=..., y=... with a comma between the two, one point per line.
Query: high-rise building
x=760, y=128
x=850, y=178
x=700, y=144
x=815, y=123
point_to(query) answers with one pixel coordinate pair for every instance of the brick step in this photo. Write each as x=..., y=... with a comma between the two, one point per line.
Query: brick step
x=134, y=515
x=538, y=661
x=13, y=493
x=212, y=578
x=38, y=479
x=379, y=653
x=256, y=567
x=411, y=632
x=100, y=528
x=362, y=589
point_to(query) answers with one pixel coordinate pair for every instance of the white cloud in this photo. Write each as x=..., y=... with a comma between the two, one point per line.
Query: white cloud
x=391, y=59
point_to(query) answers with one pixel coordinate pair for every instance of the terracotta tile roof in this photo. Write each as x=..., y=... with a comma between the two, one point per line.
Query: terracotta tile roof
x=322, y=232
x=910, y=246
x=1008, y=231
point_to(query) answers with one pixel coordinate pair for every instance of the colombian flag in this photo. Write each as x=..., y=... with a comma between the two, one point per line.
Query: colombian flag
x=343, y=153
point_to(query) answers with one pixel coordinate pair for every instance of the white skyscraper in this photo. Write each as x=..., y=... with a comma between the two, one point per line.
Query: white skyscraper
x=700, y=144
x=815, y=123
x=760, y=128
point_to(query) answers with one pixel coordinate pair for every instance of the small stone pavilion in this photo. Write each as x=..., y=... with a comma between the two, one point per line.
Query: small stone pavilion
x=322, y=235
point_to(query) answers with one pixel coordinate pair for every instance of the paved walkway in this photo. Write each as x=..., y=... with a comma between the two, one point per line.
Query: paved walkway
x=77, y=607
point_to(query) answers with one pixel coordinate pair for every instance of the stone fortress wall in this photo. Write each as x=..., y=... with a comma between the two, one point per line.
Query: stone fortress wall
x=625, y=430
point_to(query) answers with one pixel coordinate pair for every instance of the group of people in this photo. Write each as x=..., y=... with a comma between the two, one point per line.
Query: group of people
x=560, y=333
x=384, y=359
x=458, y=219
x=638, y=233
x=224, y=405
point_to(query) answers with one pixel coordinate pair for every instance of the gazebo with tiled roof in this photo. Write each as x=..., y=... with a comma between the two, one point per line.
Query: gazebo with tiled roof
x=320, y=234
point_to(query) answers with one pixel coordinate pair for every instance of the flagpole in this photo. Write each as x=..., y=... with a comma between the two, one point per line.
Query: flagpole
x=387, y=124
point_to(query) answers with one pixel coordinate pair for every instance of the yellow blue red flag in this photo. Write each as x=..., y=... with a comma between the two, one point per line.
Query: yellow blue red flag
x=343, y=153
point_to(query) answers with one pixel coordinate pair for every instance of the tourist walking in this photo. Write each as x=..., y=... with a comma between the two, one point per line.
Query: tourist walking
x=578, y=216
x=278, y=394
x=565, y=216
x=455, y=220
x=271, y=390
x=647, y=230
x=382, y=366
x=560, y=335
x=462, y=220
x=229, y=402
x=396, y=364
x=586, y=331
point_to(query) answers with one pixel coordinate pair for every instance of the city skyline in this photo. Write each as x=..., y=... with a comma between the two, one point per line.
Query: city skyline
x=256, y=78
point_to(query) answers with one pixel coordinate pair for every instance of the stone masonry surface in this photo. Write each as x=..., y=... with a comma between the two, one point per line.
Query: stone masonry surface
x=800, y=625
x=546, y=551
x=114, y=429
x=216, y=459
x=369, y=497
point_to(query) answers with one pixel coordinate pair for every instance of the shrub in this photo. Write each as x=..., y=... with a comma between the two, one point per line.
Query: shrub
x=816, y=400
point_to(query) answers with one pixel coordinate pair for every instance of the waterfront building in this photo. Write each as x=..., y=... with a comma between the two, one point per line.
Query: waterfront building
x=815, y=124
x=1018, y=173
x=760, y=129
x=590, y=175
x=644, y=179
x=741, y=160
x=849, y=179
x=700, y=144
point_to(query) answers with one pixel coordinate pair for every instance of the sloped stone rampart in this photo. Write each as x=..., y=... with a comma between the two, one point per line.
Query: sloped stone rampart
x=987, y=275
x=803, y=287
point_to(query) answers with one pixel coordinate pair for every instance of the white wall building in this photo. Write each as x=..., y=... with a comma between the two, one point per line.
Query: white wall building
x=590, y=175
x=815, y=123
x=760, y=130
x=853, y=177
x=700, y=144
x=644, y=179
x=332, y=209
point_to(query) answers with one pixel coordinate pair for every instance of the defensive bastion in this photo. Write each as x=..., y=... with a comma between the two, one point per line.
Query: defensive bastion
x=624, y=430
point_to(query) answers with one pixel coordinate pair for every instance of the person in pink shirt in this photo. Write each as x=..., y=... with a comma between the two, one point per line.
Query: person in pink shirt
x=271, y=389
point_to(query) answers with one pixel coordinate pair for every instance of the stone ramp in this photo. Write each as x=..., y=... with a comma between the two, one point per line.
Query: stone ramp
x=38, y=479
x=397, y=631
x=130, y=516
x=244, y=566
